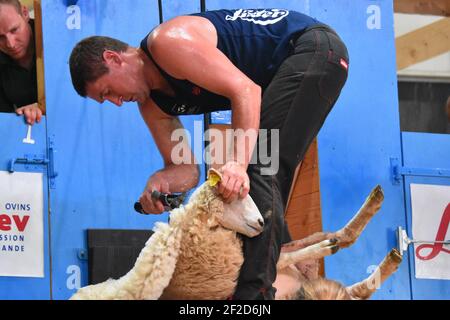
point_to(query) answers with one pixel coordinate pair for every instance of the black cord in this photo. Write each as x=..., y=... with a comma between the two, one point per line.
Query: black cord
x=161, y=18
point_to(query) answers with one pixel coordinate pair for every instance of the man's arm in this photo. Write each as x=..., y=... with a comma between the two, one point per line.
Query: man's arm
x=186, y=47
x=173, y=177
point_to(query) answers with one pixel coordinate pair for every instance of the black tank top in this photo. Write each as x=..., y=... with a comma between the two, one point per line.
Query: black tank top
x=255, y=40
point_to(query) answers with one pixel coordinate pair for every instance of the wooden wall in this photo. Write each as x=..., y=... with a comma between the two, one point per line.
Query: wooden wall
x=303, y=213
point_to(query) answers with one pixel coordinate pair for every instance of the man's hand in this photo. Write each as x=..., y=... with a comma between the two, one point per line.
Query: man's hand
x=150, y=205
x=235, y=182
x=31, y=112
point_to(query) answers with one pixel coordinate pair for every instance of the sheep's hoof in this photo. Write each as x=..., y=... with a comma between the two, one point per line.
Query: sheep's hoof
x=334, y=249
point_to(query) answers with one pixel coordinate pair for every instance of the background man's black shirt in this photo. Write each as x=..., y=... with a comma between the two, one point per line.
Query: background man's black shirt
x=18, y=86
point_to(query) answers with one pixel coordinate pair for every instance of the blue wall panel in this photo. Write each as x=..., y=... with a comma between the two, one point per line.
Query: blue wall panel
x=359, y=136
x=358, y=139
x=12, y=131
x=426, y=150
x=422, y=150
x=105, y=154
x=173, y=8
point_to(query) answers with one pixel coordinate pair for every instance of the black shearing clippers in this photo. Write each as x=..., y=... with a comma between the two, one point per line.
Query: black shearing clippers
x=169, y=201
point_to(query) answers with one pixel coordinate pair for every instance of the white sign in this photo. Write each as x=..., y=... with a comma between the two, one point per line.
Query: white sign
x=431, y=217
x=21, y=225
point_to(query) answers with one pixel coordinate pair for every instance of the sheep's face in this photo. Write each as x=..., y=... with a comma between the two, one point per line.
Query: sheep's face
x=242, y=215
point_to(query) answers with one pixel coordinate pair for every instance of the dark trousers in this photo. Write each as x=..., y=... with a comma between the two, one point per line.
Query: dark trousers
x=297, y=101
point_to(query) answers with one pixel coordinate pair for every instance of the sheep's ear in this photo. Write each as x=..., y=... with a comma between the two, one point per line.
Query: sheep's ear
x=214, y=177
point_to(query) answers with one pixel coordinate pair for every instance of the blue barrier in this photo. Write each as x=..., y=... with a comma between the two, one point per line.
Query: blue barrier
x=104, y=155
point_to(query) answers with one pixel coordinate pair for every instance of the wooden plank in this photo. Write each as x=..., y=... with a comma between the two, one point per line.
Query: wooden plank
x=39, y=54
x=28, y=3
x=303, y=212
x=304, y=216
x=423, y=44
x=427, y=7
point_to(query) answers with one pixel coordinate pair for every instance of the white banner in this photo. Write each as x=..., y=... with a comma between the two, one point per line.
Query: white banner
x=430, y=221
x=21, y=225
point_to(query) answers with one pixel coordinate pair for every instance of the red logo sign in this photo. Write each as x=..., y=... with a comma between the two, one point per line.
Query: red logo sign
x=6, y=222
x=440, y=236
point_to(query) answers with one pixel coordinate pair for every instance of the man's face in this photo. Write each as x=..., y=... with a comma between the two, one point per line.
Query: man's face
x=15, y=32
x=123, y=83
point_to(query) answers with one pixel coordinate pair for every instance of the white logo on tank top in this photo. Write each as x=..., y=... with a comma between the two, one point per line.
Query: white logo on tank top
x=262, y=17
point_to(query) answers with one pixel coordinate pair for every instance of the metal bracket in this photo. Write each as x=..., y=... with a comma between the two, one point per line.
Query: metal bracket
x=52, y=174
x=39, y=160
x=403, y=241
x=397, y=171
x=31, y=160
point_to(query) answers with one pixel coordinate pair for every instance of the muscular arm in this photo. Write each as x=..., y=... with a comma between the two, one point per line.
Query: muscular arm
x=194, y=40
x=173, y=177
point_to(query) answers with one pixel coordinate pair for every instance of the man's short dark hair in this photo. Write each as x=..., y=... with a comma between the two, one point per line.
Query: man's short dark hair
x=15, y=3
x=87, y=63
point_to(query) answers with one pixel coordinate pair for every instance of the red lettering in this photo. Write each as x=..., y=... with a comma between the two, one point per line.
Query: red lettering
x=440, y=236
x=21, y=224
x=5, y=222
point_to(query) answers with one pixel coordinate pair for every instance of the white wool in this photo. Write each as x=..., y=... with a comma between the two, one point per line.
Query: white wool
x=156, y=263
x=152, y=271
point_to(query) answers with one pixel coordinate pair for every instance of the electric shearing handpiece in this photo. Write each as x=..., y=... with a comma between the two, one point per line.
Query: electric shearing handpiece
x=169, y=201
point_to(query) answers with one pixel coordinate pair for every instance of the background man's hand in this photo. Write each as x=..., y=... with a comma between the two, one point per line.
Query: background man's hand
x=150, y=205
x=31, y=112
x=235, y=182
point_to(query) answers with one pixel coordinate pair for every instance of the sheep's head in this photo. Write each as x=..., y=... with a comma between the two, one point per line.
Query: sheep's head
x=241, y=215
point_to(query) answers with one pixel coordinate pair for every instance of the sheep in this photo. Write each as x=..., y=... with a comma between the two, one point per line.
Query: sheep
x=298, y=269
x=198, y=255
x=302, y=282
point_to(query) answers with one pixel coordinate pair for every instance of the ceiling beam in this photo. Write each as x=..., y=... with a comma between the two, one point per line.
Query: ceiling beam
x=423, y=43
x=427, y=7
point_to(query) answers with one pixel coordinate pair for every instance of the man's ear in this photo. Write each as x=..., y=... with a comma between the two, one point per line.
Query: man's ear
x=25, y=13
x=112, y=58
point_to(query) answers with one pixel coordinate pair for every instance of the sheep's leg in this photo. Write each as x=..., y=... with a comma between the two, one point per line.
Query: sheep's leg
x=323, y=244
x=305, y=242
x=364, y=289
x=314, y=251
x=348, y=235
